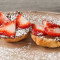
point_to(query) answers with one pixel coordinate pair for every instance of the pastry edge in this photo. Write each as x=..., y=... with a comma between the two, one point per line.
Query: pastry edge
x=17, y=38
x=45, y=42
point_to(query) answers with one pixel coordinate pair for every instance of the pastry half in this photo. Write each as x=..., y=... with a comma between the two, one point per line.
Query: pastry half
x=13, y=27
x=46, y=30
x=45, y=35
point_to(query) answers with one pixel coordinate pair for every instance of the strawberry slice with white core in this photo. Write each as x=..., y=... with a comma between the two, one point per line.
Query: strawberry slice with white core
x=3, y=19
x=49, y=24
x=21, y=22
x=8, y=29
x=38, y=29
x=55, y=31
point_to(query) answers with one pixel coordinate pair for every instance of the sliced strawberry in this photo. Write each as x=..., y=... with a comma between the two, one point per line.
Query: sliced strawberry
x=21, y=22
x=3, y=19
x=38, y=29
x=49, y=24
x=8, y=29
x=53, y=31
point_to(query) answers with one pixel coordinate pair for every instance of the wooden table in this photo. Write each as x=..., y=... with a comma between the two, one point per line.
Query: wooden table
x=45, y=5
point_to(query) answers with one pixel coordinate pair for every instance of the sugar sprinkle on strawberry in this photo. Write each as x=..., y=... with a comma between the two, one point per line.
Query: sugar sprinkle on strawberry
x=49, y=24
x=53, y=31
x=38, y=29
x=21, y=22
x=8, y=29
x=3, y=19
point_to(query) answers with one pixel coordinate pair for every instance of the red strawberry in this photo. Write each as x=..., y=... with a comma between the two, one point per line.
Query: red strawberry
x=49, y=24
x=21, y=22
x=38, y=29
x=8, y=29
x=53, y=31
x=3, y=19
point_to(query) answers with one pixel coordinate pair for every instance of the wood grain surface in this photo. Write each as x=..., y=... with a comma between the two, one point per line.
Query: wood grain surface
x=45, y=5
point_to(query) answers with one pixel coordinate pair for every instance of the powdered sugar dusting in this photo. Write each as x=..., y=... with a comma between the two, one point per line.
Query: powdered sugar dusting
x=3, y=36
x=25, y=53
x=37, y=18
x=20, y=32
x=33, y=18
x=40, y=34
x=12, y=16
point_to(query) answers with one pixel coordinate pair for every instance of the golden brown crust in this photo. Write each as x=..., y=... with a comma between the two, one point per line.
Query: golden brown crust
x=45, y=42
x=16, y=39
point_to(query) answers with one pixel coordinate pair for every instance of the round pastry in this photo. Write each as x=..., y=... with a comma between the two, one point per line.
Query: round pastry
x=13, y=27
x=47, y=31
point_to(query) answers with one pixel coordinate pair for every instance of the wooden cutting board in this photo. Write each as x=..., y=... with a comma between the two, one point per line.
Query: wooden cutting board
x=27, y=49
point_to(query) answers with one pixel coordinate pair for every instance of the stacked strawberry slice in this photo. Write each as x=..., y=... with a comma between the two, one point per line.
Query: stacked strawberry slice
x=8, y=28
x=3, y=19
x=38, y=29
x=51, y=28
x=21, y=22
x=48, y=28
